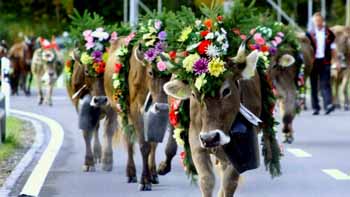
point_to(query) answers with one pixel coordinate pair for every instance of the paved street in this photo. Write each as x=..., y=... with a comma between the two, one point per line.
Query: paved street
x=322, y=143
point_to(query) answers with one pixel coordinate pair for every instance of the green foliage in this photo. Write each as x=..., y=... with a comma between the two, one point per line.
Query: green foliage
x=14, y=128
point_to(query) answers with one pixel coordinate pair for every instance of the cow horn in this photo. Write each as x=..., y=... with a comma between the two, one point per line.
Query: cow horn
x=138, y=53
x=241, y=55
x=77, y=93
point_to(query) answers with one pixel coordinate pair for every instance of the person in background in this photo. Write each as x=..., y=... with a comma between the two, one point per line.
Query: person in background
x=322, y=40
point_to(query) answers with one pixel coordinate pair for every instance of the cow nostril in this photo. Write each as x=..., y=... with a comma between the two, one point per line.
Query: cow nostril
x=105, y=100
x=95, y=100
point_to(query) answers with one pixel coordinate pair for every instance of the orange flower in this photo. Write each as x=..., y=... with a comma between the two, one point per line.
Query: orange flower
x=208, y=23
x=264, y=48
x=204, y=33
x=219, y=18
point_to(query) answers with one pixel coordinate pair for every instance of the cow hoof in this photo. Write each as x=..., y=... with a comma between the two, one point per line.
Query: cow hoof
x=154, y=179
x=145, y=187
x=107, y=167
x=164, y=168
x=288, y=140
x=346, y=108
x=132, y=179
x=40, y=102
x=88, y=168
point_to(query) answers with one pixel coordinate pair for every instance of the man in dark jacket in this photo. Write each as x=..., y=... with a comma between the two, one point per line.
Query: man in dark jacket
x=322, y=39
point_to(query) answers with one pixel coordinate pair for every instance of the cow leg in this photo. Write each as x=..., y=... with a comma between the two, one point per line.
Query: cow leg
x=89, y=165
x=206, y=178
x=130, y=167
x=107, y=149
x=49, y=94
x=145, y=147
x=337, y=82
x=40, y=93
x=229, y=180
x=29, y=83
x=344, y=87
x=97, y=147
x=170, y=151
x=152, y=163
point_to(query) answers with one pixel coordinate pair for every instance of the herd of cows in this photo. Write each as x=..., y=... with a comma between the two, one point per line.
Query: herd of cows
x=211, y=115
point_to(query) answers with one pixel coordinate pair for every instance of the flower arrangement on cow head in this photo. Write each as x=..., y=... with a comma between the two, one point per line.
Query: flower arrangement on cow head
x=95, y=54
x=154, y=42
x=48, y=50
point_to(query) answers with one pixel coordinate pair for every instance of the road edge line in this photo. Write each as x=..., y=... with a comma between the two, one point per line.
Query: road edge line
x=26, y=160
x=38, y=176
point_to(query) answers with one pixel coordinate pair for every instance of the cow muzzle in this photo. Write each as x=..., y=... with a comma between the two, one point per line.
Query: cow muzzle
x=98, y=101
x=213, y=139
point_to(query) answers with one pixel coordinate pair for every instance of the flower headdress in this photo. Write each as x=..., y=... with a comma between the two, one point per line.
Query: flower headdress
x=96, y=55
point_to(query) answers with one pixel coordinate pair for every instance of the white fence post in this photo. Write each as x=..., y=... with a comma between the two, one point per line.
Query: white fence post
x=5, y=82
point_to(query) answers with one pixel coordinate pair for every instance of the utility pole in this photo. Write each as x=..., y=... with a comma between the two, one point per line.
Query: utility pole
x=309, y=14
x=347, y=23
x=323, y=8
x=134, y=12
x=125, y=8
x=279, y=17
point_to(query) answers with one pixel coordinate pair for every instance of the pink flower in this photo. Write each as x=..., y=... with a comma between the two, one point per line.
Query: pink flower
x=280, y=34
x=87, y=33
x=89, y=45
x=274, y=43
x=278, y=40
x=89, y=39
x=158, y=24
x=243, y=37
x=260, y=41
x=114, y=36
x=257, y=36
x=252, y=31
x=129, y=38
x=161, y=66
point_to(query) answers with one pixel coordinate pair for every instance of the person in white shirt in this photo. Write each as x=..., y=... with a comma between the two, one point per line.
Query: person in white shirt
x=322, y=40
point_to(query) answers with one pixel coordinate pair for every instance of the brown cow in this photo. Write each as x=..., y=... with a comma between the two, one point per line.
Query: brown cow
x=93, y=107
x=21, y=55
x=141, y=80
x=212, y=118
x=341, y=78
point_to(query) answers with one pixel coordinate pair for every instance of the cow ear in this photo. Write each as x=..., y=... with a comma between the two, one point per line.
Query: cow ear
x=286, y=60
x=177, y=89
x=251, y=61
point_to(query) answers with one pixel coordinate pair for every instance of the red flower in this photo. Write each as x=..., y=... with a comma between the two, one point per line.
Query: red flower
x=68, y=63
x=219, y=18
x=173, y=118
x=236, y=31
x=117, y=68
x=183, y=155
x=186, y=53
x=208, y=23
x=172, y=55
x=264, y=48
x=204, y=33
x=100, y=68
x=243, y=37
x=203, y=46
x=174, y=104
x=252, y=47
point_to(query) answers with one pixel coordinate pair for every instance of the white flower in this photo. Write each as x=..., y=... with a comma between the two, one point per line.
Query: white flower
x=100, y=34
x=210, y=36
x=213, y=51
x=221, y=38
x=48, y=56
x=223, y=31
x=198, y=23
x=225, y=46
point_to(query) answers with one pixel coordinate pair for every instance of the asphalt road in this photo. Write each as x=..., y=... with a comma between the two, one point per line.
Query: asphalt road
x=322, y=142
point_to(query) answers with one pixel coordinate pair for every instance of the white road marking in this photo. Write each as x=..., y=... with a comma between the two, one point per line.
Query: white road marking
x=39, y=173
x=337, y=174
x=298, y=152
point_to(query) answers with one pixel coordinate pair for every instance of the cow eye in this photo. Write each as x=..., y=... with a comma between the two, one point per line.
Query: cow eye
x=150, y=73
x=226, y=92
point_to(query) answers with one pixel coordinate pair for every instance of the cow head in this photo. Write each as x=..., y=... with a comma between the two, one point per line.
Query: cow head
x=51, y=63
x=84, y=82
x=213, y=116
x=342, y=40
x=154, y=81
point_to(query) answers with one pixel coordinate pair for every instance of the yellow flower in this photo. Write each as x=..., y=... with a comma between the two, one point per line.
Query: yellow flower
x=216, y=67
x=177, y=136
x=184, y=34
x=189, y=61
x=86, y=59
x=105, y=57
x=200, y=82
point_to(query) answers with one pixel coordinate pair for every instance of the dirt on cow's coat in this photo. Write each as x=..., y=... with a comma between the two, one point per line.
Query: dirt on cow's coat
x=25, y=139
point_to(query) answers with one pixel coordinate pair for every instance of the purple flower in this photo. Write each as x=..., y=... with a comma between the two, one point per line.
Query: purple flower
x=162, y=35
x=201, y=66
x=97, y=55
x=160, y=47
x=273, y=50
x=151, y=54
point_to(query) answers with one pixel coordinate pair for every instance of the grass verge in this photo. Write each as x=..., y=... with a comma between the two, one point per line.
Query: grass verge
x=14, y=127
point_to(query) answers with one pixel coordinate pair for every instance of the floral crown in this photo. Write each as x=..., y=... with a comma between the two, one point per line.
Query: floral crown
x=154, y=43
x=95, y=56
x=206, y=51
